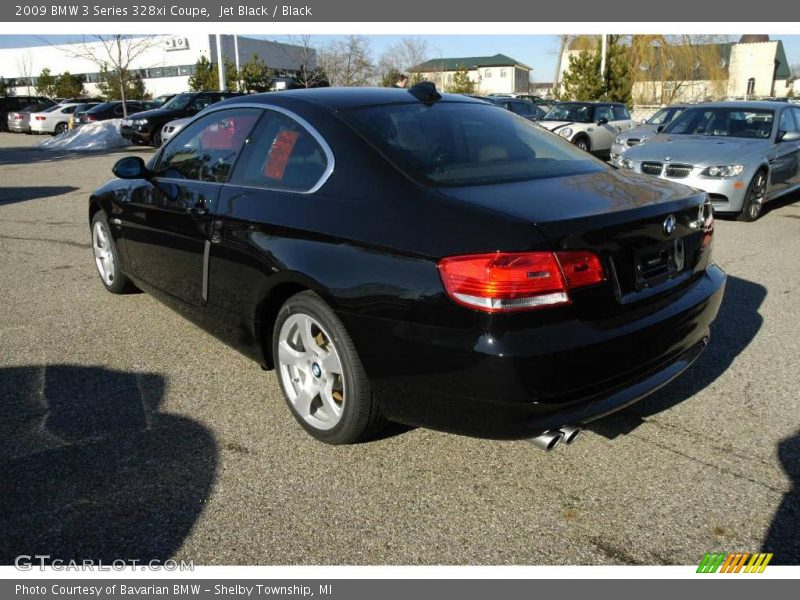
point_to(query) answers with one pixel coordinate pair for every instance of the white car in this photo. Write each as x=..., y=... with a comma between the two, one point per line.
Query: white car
x=53, y=120
x=591, y=126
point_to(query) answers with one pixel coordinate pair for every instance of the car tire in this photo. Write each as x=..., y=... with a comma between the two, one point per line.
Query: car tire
x=754, y=198
x=582, y=142
x=156, y=139
x=107, y=258
x=320, y=373
x=60, y=128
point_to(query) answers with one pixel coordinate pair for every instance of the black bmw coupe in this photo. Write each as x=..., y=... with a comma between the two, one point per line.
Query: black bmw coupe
x=411, y=256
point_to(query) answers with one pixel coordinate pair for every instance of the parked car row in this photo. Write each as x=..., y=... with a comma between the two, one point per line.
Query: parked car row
x=35, y=114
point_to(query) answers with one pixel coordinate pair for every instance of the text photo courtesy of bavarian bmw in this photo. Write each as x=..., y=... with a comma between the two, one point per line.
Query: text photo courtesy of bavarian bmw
x=411, y=256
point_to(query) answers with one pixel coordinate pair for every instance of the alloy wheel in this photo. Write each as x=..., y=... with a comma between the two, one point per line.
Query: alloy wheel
x=311, y=371
x=103, y=253
x=757, y=196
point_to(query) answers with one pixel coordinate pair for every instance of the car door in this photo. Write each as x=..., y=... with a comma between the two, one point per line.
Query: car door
x=167, y=219
x=271, y=191
x=622, y=119
x=783, y=163
x=603, y=134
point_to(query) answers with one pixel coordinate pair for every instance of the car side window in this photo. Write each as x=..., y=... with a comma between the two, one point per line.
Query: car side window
x=796, y=113
x=207, y=149
x=787, y=122
x=621, y=113
x=603, y=112
x=202, y=102
x=282, y=155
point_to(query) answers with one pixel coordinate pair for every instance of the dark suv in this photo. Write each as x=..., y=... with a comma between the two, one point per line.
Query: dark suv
x=145, y=127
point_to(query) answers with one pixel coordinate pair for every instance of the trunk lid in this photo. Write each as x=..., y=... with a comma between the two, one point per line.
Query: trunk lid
x=645, y=230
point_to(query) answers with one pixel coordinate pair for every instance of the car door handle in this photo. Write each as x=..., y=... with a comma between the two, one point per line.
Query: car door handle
x=197, y=211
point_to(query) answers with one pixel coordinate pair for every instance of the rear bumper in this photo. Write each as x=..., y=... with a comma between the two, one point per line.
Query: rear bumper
x=514, y=384
x=19, y=127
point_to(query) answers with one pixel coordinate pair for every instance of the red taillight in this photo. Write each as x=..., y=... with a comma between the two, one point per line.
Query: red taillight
x=40, y=118
x=581, y=268
x=91, y=118
x=18, y=117
x=502, y=282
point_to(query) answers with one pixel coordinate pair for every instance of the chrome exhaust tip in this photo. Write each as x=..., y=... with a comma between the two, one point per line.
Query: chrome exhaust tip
x=570, y=434
x=547, y=441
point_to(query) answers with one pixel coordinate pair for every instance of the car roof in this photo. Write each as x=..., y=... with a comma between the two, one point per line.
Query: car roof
x=591, y=102
x=744, y=104
x=343, y=98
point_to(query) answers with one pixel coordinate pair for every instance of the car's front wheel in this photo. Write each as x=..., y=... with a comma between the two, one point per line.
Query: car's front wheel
x=582, y=142
x=106, y=257
x=320, y=373
x=156, y=138
x=754, y=198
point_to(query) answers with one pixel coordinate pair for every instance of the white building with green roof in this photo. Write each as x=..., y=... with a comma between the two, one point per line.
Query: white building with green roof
x=498, y=74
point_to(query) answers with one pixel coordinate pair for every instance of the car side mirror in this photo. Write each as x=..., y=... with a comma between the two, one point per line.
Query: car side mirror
x=602, y=121
x=789, y=136
x=660, y=128
x=130, y=167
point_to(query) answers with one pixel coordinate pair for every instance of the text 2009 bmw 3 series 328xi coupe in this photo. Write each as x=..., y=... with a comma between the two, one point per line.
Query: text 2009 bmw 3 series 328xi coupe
x=416, y=257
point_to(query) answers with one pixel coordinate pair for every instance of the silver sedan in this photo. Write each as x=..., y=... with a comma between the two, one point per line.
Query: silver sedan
x=742, y=153
x=173, y=127
x=640, y=133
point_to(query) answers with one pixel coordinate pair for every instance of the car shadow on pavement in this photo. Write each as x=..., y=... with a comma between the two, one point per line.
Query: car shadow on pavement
x=736, y=325
x=12, y=195
x=90, y=469
x=783, y=536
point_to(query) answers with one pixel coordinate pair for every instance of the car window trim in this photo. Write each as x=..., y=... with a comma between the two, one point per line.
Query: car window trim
x=159, y=155
x=326, y=149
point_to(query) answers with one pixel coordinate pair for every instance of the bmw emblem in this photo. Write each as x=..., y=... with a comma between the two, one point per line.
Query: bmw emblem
x=669, y=225
x=315, y=369
x=667, y=158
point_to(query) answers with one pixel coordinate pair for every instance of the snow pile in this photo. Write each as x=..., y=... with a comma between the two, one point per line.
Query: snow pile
x=100, y=135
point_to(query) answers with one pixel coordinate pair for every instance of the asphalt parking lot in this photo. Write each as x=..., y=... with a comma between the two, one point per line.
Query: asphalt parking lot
x=126, y=432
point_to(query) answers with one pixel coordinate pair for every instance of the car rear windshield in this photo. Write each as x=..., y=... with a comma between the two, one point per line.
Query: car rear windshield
x=724, y=122
x=460, y=144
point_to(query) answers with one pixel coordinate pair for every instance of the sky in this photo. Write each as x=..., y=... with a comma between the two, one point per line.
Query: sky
x=536, y=51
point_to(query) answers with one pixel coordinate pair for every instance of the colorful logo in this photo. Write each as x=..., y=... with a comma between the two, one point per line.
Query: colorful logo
x=734, y=562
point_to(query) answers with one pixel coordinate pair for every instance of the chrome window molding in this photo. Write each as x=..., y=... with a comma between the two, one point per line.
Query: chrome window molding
x=300, y=121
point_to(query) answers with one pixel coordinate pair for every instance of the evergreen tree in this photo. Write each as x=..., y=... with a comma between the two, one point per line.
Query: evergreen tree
x=255, y=76
x=390, y=77
x=108, y=85
x=617, y=80
x=68, y=86
x=206, y=76
x=46, y=84
x=3, y=87
x=462, y=84
x=582, y=80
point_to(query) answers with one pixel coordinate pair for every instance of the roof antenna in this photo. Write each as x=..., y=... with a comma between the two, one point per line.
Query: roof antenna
x=425, y=91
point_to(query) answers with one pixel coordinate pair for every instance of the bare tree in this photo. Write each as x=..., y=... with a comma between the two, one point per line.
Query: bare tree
x=115, y=53
x=25, y=69
x=666, y=68
x=309, y=74
x=347, y=61
x=403, y=55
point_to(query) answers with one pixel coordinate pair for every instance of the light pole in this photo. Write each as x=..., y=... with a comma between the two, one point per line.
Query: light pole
x=220, y=64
